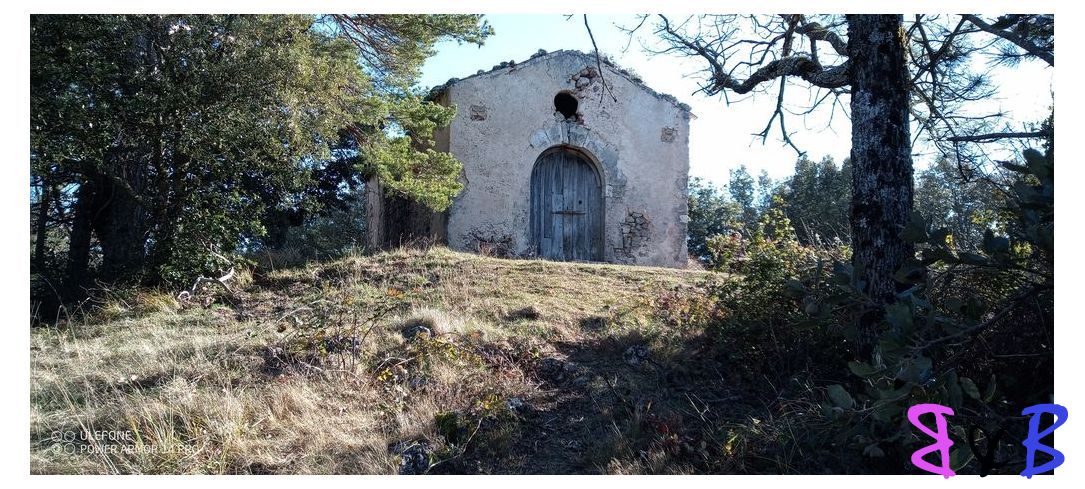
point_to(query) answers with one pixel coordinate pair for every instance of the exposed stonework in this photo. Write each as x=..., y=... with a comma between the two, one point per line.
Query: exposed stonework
x=668, y=134
x=583, y=78
x=488, y=240
x=635, y=138
x=636, y=235
x=478, y=112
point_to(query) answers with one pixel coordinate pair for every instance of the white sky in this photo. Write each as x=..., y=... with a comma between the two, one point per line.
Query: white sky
x=721, y=137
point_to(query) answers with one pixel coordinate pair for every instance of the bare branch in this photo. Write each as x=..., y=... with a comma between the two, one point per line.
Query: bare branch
x=599, y=63
x=631, y=32
x=800, y=65
x=816, y=32
x=778, y=115
x=995, y=136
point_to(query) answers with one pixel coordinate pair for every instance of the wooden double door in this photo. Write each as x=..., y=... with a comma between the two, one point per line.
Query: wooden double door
x=567, y=206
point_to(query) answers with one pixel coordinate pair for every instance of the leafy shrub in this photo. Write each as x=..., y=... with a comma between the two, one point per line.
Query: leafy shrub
x=682, y=310
x=763, y=266
x=973, y=331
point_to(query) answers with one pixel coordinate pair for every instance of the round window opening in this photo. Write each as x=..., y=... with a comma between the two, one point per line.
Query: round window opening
x=566, y=104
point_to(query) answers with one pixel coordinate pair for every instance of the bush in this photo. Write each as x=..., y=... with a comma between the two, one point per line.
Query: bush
x=972, y=332
x=764, y=266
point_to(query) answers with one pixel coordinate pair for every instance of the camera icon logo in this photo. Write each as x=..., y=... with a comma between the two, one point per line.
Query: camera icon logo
x=68, y=436
x=64, y=441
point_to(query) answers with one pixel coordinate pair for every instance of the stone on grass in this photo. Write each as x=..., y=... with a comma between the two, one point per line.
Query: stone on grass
x=636, y=355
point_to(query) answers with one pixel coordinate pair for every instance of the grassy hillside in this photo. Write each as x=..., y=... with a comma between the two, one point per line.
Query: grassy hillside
x=403, y=362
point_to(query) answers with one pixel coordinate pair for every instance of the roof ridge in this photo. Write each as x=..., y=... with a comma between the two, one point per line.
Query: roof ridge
x=542, y=53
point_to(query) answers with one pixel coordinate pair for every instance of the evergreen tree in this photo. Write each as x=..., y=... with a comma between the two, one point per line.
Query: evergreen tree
x=711, y=213
x=817, y=197
x=744, y=194
x=182, y=136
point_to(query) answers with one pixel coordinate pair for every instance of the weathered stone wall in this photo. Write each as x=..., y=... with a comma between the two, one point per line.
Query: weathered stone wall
x=639, y=140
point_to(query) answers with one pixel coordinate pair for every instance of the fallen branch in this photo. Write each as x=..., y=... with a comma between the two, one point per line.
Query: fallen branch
x=188, y=294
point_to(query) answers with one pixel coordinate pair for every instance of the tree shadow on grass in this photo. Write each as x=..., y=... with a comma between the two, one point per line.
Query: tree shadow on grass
x=629, y=404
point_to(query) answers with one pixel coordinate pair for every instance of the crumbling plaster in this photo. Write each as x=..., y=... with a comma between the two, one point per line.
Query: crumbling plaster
x=637, y=138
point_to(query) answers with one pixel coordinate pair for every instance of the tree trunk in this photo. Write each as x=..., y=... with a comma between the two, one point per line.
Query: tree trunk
x=79, y=241
x=42, y=224
x=120, y=222
x=881, y=156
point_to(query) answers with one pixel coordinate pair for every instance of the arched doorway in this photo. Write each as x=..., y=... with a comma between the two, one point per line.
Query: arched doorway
x=567, y=206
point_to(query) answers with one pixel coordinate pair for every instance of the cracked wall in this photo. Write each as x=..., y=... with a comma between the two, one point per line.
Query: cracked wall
x=638, y=139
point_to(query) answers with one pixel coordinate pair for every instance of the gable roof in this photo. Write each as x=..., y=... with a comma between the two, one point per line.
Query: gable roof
x=542, y=55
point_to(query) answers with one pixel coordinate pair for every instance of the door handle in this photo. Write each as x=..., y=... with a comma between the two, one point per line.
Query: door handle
x=570, y=213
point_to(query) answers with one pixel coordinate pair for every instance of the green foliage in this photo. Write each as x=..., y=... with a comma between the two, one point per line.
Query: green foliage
x=711, y=214
x=765, y=266
x=394, y=47
x=744, y=194
x=943, y=339
x=773, y=250
x=818, y=200
x=407, y=164
x=726, y=252
x=683, y=311
x=970, y=329
x=329, y=235
x=453, y=427
x=216, y=126
x=965, y=208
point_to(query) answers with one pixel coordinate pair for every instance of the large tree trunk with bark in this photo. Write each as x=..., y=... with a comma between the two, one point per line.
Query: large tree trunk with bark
x=107, y=210
x=882, y=157
x=121, y=218
x=120, y=222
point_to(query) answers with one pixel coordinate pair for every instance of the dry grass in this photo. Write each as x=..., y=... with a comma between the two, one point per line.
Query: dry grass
x=191, y=390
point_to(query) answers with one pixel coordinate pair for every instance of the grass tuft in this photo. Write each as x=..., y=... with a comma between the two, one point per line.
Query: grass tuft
x=511, y=366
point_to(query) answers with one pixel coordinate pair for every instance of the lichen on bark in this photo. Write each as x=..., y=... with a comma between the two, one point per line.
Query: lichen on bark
x=882, y=186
